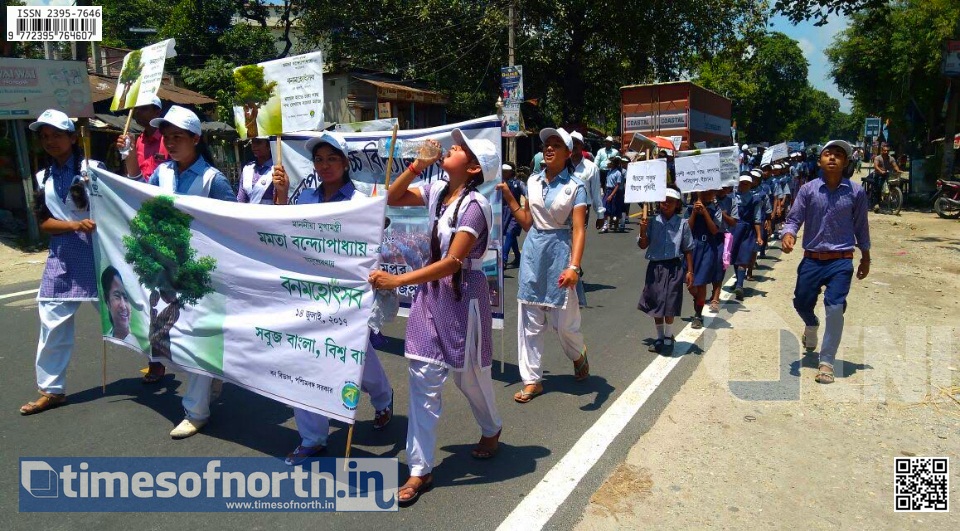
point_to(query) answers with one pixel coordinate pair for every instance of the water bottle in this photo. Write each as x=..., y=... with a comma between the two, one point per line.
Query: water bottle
x=408, y=149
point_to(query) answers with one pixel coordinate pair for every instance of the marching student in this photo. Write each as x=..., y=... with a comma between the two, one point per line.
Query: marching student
x=449, y=329
x=603, y=157
x=746, y=235
x=330, y=161
x=140, y=161
x=511, y=228
x=611, y=197
x=833, y=212
x=256, y=181
x=705, y=219
x=587, y=171
x=69, y=276
x=549, y=290
x=669, y=244
x=728, y=207
x=189, y=172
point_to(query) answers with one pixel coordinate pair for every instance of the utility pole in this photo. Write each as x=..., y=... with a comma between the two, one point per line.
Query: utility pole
x=511, y=141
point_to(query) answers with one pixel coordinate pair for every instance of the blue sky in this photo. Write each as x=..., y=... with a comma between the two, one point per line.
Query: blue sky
x=813, y=41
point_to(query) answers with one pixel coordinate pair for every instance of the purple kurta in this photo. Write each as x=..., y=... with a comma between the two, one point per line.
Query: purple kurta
x=833, y=220
x=438, y=323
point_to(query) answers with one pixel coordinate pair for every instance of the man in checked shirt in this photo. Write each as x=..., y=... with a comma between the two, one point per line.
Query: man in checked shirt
x=834, y=211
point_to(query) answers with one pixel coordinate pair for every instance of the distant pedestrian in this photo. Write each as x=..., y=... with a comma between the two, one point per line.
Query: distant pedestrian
x=511, y=228
x=603, y=157
x=587, y=172
x=611, y=195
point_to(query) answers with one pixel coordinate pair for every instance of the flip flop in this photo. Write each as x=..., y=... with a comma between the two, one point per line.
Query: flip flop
x=485, y=452
x=425, y=486
x=824, y=376
x=581, y=367
x=524, y=396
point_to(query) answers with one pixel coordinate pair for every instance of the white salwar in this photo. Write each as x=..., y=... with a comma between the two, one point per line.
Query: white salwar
x=533, y=321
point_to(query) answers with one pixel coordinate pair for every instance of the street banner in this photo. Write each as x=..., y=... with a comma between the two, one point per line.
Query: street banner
x=30, y=86
x=273, y=299
x=698, y=172
x=779, y=151
x=729, y=162
x=511, y=120
x=141, y=74
x=511, y=84
x=646, y=181
x=951, y=59
x=281, y=96
x=406, y=244
x=767, y=157
x=383, y=124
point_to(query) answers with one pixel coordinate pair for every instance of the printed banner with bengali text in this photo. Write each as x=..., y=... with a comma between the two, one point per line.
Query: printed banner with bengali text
x=141, y=74
x=406, y=244
x=273, y=299
x=279, y=96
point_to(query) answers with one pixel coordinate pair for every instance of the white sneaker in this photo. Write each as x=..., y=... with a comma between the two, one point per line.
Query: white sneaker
x=810, y=338
x=187, y=428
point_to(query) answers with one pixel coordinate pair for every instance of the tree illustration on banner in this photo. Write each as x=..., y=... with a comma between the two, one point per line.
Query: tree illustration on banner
x=159, y=250
x=252, y=92
x=132, y=69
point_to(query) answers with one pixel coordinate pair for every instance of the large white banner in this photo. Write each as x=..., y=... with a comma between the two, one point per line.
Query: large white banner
x=274, y=299
x=729, y=162
x=141, y=74
x=646, y=181
x=30, y=86
x=698, y=173
x=406, y=244
x=279, y=96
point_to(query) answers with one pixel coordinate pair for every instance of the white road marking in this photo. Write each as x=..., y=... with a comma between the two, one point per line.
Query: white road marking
x=542, y=502
x=19, y=294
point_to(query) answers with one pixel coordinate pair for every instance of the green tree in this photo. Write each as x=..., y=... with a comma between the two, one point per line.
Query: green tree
x=252, y=91
x=820, y=10
x=159, y=250
x=132, y=69
x=215, y=79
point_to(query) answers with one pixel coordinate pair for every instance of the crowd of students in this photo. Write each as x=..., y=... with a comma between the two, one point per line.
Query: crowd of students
x=449, y=329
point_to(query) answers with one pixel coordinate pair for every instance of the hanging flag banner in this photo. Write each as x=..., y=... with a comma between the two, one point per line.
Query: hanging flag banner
x=141, y=74
x=406, y=244
x=281, y=96
x=273, y=299
x=511, y=84
x=729, y=162
x=698, y=173
x=646, y=181
x=30, y=86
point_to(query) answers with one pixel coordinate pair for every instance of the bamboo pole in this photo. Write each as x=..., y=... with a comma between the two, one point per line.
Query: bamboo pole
x=346, y=454
x=393, y=144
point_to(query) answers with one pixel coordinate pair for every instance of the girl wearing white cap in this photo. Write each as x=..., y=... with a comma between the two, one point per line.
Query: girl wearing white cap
x=746, y=235
x=69, y=277
x=449, y=329
x=669, y=243
x=329, y=154
x=549, y=287
x=189, y=172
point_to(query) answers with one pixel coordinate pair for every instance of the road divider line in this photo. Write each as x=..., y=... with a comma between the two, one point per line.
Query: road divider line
x=19, y=294
x=542, y=502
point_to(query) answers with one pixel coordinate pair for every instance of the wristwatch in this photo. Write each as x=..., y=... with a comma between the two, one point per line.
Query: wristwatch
x=577, y=269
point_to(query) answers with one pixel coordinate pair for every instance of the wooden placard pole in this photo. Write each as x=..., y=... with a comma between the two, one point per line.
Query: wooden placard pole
x=393, y=144
x=346, y=454
x=126, y=126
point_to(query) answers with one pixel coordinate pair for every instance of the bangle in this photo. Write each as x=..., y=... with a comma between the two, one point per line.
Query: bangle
x=514, y=210
x=413, y=169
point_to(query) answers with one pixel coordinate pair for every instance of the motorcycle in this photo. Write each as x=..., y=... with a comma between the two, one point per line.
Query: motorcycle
x=890, y=196
x=946, y=201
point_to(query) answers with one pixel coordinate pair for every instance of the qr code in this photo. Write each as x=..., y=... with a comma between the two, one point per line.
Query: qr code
x=922, y=484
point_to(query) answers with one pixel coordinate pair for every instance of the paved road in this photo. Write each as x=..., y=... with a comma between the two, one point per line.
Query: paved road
x=134, y=420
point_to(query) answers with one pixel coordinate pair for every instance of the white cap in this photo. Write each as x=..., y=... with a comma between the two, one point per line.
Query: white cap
x=180, y=117
x=335, y=140
x=842, y=144
x=483, y=150
x=744, y=147
x=547, y=132
x=746, y=178
x=506, y=167
x=673, y=193
x=152, y=100
x=54, y=118
x=577, y=136
x=608, y=139
x=757, y=174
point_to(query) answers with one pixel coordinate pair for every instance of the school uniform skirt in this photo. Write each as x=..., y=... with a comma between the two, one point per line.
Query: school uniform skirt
x=613, y=205
x=744, y=243
x=663, y=289
x=707, y=259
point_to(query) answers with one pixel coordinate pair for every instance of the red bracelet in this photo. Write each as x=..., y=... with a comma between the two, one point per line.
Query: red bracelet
x=413, y=169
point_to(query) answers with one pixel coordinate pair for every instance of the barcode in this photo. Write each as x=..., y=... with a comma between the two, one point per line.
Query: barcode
x=54, y=23
x=921, y=484
x=57, y=24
